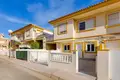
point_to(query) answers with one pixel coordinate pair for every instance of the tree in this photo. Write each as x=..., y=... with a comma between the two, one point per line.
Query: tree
x=35, y=45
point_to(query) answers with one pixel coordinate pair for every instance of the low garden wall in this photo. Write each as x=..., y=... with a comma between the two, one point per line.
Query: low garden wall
x=62, y=61
x=4, y=52
x=33, y=55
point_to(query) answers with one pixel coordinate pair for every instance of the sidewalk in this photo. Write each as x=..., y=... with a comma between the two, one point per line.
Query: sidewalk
x=55, y=74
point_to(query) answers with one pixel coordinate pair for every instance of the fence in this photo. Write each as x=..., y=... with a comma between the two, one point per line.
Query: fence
x=4, y=52
x=59, y=57
x=38, y=56
x=62, y=61
x=8, y=53
x=114, y=64
x=21, y=55
x=54, y=59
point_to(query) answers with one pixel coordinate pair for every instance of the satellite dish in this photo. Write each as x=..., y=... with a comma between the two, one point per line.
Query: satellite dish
x=10, y=31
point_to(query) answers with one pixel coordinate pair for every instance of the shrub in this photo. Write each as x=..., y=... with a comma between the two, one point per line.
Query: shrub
x=35, y=45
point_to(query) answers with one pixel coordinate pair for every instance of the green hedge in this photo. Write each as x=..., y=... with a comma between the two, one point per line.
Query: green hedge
x=35, y=45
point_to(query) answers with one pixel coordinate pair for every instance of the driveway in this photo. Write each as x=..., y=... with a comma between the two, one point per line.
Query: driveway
x=10, y=71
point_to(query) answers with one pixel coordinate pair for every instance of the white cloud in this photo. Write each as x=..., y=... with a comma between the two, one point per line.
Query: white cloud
x=13, y=19
x=56, y=8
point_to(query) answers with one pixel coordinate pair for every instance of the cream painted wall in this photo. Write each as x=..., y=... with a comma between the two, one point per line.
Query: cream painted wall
x=60, y=45
x=113, y=44
x=113, y=29
x=70, y=31
x=99, y=30
x=32, y=34
x=100, y=23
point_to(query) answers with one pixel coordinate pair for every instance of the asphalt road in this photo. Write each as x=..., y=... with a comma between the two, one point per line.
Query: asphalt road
x=10, y=71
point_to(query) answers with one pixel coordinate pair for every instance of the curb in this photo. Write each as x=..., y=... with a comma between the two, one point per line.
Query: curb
x=45, y=74
x=42, y=73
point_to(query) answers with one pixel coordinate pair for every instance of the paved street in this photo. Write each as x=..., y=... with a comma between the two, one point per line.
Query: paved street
x=10, y=71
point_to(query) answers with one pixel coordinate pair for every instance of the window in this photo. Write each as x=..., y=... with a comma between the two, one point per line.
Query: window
x=66, y=48
x=28, y=33
x=62, y=28
x=20, y=37
x=82, y=26
x=90, y=47
x=87, y=24
x=113, y=19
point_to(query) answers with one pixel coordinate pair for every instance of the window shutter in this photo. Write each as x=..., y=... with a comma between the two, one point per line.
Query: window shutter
x=62, y=27
x=65, y=47
x=92, y=47
x=88, y=47
x=113, y=19
x=68, y=47
x=89, y=24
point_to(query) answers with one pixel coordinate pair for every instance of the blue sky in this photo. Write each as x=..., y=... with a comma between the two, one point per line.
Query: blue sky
x=15, y=14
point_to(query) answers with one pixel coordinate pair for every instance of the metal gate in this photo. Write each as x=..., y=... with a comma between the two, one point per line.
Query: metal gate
x=84, y=64
x=87, y=66
x=21, y=55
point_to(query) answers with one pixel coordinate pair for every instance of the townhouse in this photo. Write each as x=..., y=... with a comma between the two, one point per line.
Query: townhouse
x=4, y=42
x=95, y=28
x=31, y=33
x=4, y=45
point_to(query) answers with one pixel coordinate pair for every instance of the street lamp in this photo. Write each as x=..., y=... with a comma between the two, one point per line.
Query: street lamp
x=10, y=31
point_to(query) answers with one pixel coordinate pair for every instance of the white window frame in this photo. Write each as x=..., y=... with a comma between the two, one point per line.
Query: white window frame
x=66, y=47
x=90, y=47
x=27, y=32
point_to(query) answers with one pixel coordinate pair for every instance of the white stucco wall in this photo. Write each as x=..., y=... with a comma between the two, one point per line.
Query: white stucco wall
x=4, y=52
x=103, y=65
x=114, y=56
x=100, y=28
x=70, y=67
x=115, y=64
x=113, y=44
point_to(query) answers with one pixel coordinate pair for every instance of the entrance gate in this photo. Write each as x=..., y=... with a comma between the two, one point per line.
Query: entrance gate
x=84, y=65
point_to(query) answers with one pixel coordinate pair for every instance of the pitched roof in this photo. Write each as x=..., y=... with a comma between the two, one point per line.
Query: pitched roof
x=29, y=26
x=84, y=10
